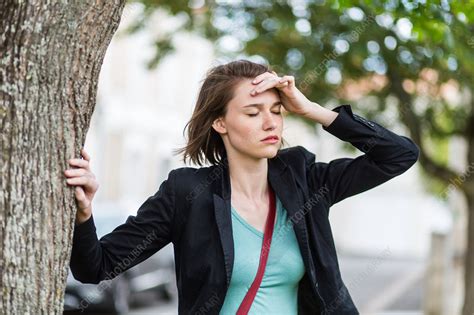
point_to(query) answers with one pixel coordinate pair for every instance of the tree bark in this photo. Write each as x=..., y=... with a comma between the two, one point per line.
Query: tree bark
x=51, y=54
x=468, y=308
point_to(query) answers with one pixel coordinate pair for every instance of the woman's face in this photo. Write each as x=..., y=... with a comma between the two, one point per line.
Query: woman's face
x=250, y=119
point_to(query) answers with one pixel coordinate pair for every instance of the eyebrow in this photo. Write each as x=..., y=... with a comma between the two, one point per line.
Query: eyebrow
x=261, y=104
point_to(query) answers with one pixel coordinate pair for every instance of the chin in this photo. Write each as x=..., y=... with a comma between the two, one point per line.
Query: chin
x=270, y=151
x=273, y=155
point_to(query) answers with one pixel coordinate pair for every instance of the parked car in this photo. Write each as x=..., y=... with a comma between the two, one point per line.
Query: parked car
x=156, y=274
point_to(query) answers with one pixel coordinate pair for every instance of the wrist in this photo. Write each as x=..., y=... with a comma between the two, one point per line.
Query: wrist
x=321, y=115
x=83, y=215
x=312, y=111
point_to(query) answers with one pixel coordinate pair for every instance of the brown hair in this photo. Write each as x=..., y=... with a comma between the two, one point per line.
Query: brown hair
x=204, y=143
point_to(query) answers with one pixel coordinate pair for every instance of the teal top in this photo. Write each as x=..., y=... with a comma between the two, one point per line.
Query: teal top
x=278, y=291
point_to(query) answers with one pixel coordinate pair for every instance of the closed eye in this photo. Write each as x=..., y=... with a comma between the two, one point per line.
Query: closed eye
x=253, y=115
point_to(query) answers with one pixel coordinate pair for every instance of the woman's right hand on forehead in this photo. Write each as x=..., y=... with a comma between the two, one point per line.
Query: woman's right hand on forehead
x=86, y=185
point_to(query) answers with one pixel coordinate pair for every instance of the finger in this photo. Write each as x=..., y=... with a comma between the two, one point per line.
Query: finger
x=85, y=154
x=282, y=84
x=74, y=172
x=79, y=192
x=83, y=180
x=264, y=85
x=259, y=78
x=79, y=163
x=289, y=79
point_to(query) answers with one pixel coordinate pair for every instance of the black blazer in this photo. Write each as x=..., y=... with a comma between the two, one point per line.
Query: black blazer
x=192, y=210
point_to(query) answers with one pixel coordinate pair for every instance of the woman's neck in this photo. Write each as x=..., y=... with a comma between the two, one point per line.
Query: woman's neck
x=249, y=178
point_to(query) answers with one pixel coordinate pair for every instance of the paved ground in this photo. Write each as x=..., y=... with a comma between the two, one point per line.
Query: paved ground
x=383, y=283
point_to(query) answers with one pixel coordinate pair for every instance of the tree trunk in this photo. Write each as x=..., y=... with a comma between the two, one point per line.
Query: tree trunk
x=468, y=308
x=51, y=54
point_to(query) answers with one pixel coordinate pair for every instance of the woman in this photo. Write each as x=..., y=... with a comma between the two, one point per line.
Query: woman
x=216, y=215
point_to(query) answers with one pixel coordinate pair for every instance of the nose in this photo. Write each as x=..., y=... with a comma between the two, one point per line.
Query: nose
x=269, y=121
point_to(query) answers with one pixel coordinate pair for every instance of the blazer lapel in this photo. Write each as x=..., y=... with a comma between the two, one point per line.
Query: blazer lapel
x=282, y=181
x=285, y=188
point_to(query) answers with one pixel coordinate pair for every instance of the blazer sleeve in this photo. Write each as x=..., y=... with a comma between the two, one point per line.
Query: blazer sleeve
x=386, y=155
x=130, y=243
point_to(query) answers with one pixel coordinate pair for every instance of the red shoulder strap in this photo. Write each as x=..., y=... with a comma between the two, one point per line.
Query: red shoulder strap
x=267, y=240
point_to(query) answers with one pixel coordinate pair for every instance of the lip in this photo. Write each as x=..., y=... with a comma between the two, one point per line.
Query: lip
x=270, y=141
x=271, y=138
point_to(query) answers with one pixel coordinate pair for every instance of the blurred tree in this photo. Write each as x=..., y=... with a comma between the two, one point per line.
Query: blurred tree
x=51, y=54
x=408, y=61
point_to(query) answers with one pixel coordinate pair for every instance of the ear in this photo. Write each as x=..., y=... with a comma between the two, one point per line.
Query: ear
x=219, y=126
